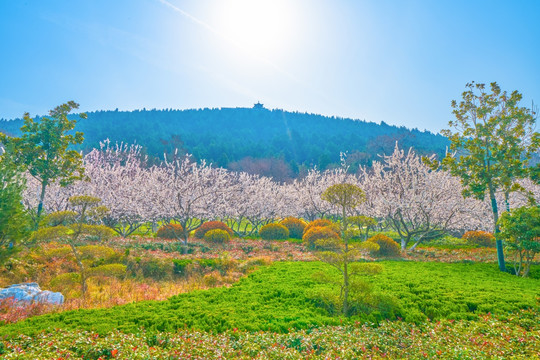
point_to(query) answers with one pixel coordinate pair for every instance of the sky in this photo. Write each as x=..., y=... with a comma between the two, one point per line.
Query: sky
x=401, y=62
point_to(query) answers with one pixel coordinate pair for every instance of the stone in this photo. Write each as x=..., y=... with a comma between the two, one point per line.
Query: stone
x=29, y=293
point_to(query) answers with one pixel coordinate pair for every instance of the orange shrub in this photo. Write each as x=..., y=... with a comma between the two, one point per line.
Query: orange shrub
x=387, y=246
x=480, y=238
x=322, y=223
x=295, y=226
x=171, y=231
x=318, y=233
x=274, y=232
x=212, y=225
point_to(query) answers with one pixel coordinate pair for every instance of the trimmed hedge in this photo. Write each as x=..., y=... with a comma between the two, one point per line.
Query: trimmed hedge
x=387, y=246
x=274, y=232
x=322, y=223
x=170, y=231
x=217, y=236
x=318, y=233
x=479, y=238
x=296, y=227
x=212, y=225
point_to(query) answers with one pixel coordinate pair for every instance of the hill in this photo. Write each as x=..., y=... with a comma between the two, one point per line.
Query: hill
x=257, y=140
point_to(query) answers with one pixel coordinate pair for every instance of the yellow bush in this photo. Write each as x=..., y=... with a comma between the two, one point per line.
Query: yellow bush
x=274, y=232
x=387, y=246
x=317, y=233
x=295, y=226
x=322, y=223
x=212, y=225
x=217, y=236
x=97, y=252
x=480, y=238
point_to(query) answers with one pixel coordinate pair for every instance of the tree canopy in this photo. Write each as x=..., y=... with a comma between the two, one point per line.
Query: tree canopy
x=43, y=149
x=492, y=141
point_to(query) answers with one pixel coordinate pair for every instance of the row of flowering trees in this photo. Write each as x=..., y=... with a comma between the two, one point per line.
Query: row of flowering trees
x=402, y=193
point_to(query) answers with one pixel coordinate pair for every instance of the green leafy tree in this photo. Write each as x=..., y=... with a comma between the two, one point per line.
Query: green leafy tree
x=14, y=221
x=340, y=252
x=492, y=141
x=521, y=230
x=81, y=222
x=42, y=149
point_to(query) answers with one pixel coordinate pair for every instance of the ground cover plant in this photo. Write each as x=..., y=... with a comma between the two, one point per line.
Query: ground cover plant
x=280, y=297
x=487, y=338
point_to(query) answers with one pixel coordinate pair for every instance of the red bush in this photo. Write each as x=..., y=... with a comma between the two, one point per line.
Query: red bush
x=170, y=231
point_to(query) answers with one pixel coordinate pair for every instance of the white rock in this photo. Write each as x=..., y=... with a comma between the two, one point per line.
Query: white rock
x=30, y=292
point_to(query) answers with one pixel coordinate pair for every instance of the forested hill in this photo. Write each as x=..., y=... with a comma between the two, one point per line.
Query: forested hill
x=252, y=139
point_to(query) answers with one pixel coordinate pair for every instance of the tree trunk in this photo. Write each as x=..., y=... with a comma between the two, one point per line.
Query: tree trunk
x=82, y=271
x=405, y=241
x=40, y=205
x=495, y=210
x=416, y=244
x=345, y=264
x=345, y=290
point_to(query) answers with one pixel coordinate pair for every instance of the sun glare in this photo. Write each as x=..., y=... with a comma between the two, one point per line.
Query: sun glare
x=260, y=27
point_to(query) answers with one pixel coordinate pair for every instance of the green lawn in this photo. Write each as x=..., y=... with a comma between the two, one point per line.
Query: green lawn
x=276, y=298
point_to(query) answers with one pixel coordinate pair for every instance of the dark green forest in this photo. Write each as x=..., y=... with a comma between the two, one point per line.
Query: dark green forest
x=277, y=143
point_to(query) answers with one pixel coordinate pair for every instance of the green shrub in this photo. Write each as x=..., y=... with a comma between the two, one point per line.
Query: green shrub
x=217, y=236
x=180, y=266
x=322, y=223
x=387, y=246
x=184, y=267
x=316, y=233
x=480, y=238
x=170, y=231
x=274, y=232
x=149, y=267
x=295, y=227
x=208, y=263
x=212, y=225
x=521, y=230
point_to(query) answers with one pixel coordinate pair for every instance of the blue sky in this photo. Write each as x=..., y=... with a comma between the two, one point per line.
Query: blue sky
x=400, y=62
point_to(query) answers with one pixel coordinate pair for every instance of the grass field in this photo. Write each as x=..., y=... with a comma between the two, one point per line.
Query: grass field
x=278, y=298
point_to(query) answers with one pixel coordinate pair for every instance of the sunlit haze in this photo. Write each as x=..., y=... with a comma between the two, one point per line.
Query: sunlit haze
x=400, y=62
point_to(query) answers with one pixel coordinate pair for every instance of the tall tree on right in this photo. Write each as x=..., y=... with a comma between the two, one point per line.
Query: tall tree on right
x=492, y=141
